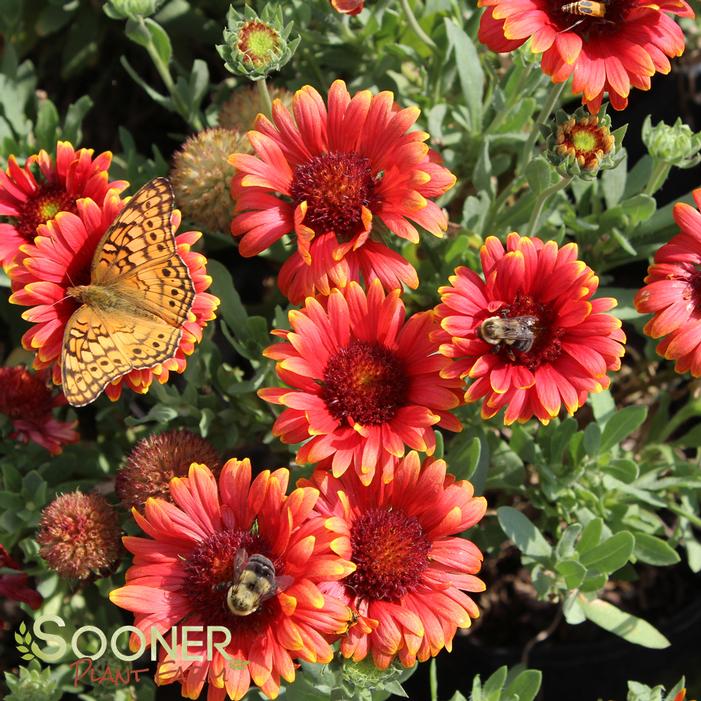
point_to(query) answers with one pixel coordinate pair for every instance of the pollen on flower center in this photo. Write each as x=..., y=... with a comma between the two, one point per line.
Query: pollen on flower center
x=365, y=383
x=44, y=205
x=210, y=572
x=390, y=551
x=335, y=186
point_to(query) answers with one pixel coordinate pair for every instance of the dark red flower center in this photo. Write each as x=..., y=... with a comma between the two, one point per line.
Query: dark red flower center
x=547, y=342
x=23, y=395
x=45, y=204
x=335, y=186
x=390, y=550
x=364, y=383
x=210, y=572
x=591, y=18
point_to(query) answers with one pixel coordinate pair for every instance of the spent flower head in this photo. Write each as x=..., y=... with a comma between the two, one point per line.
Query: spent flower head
x=201, y=177
x=582, y=144
x=156, y=459
x=676, y=145
x=256, y=45
x=79, y=536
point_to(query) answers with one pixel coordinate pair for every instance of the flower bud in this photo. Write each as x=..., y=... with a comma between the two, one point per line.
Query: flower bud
x=582, y=144
x=79, y=536
x=255, y=46
x=676, y=145
x=131, y=9
x=201, y=177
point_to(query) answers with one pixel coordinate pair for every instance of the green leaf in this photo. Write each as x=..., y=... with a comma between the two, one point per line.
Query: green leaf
x=491, y=691
x=470, y=71
x=573, y=572
x=654, y=550
x=231, y=308
x=622, y=424
x=625, y=470
x=613, y=183
x=602, y=405
x=46, y=124
x=526, y=685
x=592, y=439
x=160, y=40
x=565, y=546
x=540, y=174
x=591, y=535
x=523, y=533
x=629, y=627
x=610, y=555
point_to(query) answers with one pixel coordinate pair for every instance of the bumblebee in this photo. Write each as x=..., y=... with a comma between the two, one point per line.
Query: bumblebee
x=254, y=581
x=586, y=8
x=517, y=332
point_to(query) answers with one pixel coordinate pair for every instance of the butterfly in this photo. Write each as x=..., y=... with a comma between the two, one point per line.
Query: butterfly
x=139, y=296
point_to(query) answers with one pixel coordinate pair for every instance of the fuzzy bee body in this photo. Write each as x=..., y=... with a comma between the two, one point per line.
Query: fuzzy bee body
x=586, y=8
x=254, y=581
x=517, y=332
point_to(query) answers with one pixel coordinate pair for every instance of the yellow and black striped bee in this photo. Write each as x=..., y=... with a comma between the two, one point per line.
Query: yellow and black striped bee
x=517, y=332
x=586, y=8
x=254, y=581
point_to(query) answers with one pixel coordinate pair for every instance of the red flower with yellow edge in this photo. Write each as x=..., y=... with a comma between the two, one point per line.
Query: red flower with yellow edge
x=362, y=382
x=329, y=174
x=61, y=257
x=672, y=292
x=529, y=337
x=619, y=46
x=348, y=7
x=32, y=194
x=182, y=573
x=28, y=402
x=412, y=569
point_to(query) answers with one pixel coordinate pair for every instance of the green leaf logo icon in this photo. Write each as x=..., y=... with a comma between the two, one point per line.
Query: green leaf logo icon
x=23, y=638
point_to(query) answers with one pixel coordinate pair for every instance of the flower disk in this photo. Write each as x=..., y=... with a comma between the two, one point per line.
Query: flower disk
x=333, y=176
x=673, y=292
x=611, y=53
x=183, y=569
x=408, y=591
x=61, y=257
x=35, y=193
x=79, y=536
x=574, y=341
x=363, y=383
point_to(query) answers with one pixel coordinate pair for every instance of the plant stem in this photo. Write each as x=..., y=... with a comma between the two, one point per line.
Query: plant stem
x=164, y=72
x=433, y=680
x=415, y=26
x=540, y=203
x=658, y=174
x=550, y=102
x=543, y=635
x=266, y=102
x=691, y=518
